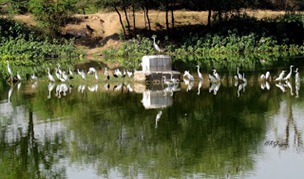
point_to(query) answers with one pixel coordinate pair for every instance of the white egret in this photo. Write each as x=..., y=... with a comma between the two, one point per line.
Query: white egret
x=9, y=70
x=238, y=75
x=35, y=84
x=129, y=88
x=288, y=84
x=212, y=79
x=188, y=75
x=124, y=73
x=216, y=75
x=297, y=82
x=92, y=70
x=281, y=76
x=190, y=85
x=34, y=77
x=288, y=76
x=65, y=76
x=50, y=89
x=117, y=72
x=129, y=73
x=297, y=76
x=281, y=86
x=166, y=81
x=93, y=88
x=155, y=45
x=214, y=87
x=81, y=73
x=106, y=73
x=117, y=87
x=70, y=72
x=50, y=76
x=267, y=75
x=58, y=68
x=199, y=87
x=107, y=86
x=18, y=86
x=18, y=76
x=173, y=80
x=200, y=76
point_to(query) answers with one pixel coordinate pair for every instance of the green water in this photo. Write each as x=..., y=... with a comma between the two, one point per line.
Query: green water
x=239, y=132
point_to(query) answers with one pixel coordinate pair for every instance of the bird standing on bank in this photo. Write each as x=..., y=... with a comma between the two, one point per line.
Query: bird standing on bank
x=200, y=76
x=50, y=76
x=288, y=76
x=281, y=76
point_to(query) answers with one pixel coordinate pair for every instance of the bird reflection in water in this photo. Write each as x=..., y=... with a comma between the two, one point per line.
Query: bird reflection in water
x=158, y=116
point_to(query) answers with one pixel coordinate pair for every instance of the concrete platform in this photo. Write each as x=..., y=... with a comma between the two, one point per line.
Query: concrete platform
x=154, y=67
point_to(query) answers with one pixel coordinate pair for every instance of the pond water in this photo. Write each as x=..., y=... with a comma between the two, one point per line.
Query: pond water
x=127, y=130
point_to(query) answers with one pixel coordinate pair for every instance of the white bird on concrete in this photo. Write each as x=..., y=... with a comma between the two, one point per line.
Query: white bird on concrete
x=155, y=45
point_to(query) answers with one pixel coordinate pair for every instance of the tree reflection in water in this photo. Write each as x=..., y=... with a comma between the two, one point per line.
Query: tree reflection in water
x=201, y=135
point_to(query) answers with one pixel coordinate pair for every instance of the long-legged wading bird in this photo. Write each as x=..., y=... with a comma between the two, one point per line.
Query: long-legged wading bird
x=200, y=76
x=265, y=77
x=155, y=45
x=9, y=70
x=106, y=73
x=281, y=76
x=288, y=76
x=50, y=76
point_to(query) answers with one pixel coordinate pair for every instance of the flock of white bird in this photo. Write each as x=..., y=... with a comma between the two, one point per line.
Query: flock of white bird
x=283, y=81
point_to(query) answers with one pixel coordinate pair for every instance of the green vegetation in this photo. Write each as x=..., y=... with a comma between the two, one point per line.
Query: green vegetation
x=232, y=48
x=25, y=48
x=229, y=35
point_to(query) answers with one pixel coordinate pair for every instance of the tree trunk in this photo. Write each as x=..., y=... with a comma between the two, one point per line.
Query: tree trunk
x=172, y=14
x=134, y=23
x=145, y=20
x=127, y=19
x=167, y=16
x=148, y=19
x=209, y=15
x=121, y=23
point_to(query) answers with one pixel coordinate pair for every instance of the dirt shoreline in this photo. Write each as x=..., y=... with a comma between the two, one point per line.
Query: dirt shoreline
x=105, y=27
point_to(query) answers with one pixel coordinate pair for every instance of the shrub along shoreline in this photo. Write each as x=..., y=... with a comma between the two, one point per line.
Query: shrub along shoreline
x=240, y=39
